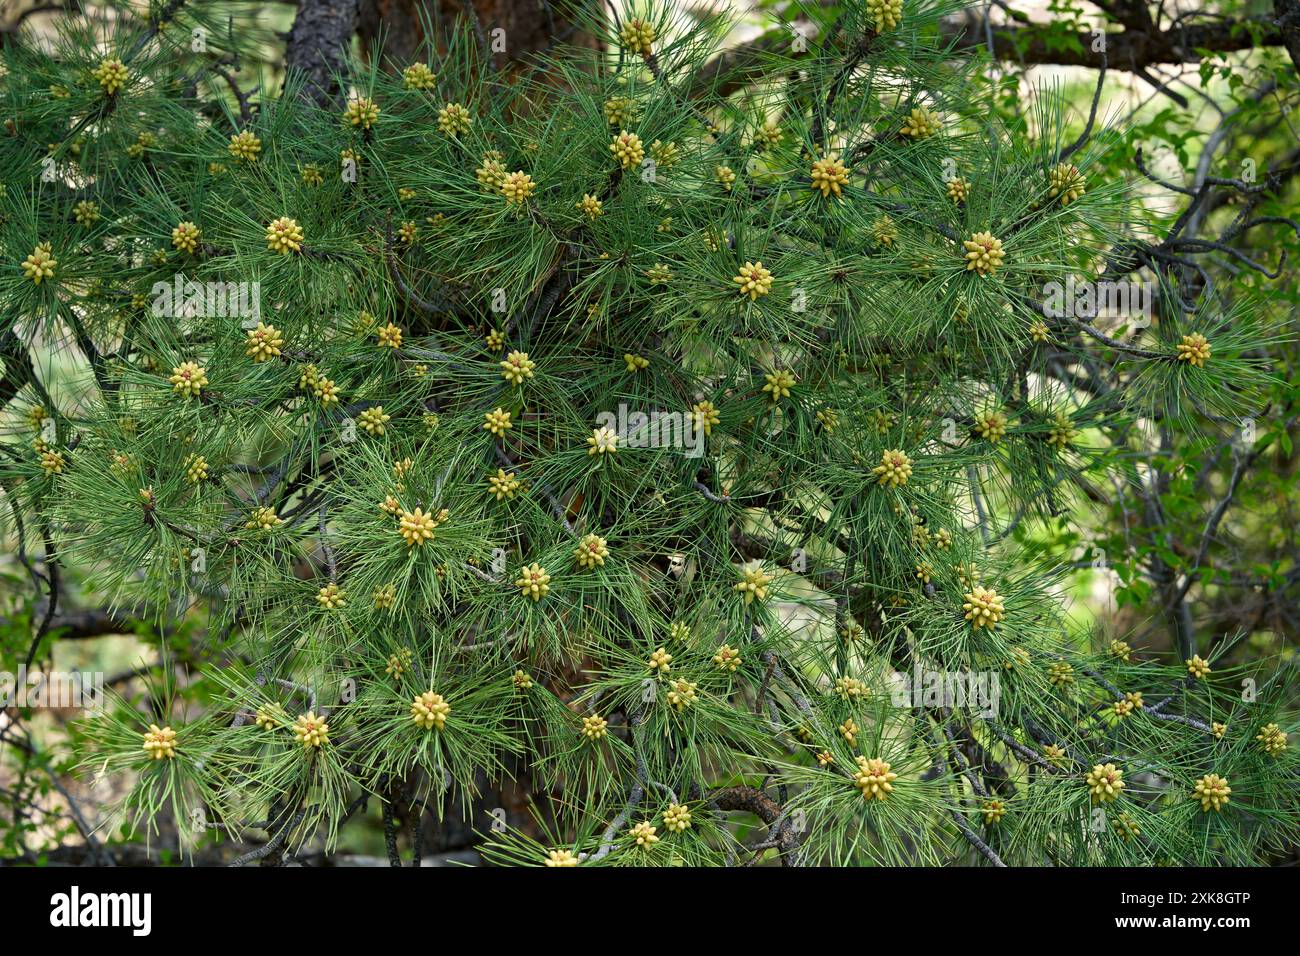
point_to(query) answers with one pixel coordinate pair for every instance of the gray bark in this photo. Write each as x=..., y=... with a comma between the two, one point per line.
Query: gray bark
x=318, y=49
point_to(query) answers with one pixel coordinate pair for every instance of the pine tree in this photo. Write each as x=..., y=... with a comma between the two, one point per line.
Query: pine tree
x=646, y=427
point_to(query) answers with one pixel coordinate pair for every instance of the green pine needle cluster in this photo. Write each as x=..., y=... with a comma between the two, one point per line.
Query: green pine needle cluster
x=386, y=477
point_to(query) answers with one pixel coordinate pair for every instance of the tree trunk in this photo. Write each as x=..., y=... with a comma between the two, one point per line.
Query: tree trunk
x=528, y=26
x=318, y=48
x=1288, y=21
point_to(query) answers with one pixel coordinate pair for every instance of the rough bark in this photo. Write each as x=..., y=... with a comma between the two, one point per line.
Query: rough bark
x=528, y=26
x=766, y=809
x=318, y=49
x=1288, y=24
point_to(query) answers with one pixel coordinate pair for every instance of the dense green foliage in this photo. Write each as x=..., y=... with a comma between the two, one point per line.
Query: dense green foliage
x=882, y=492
